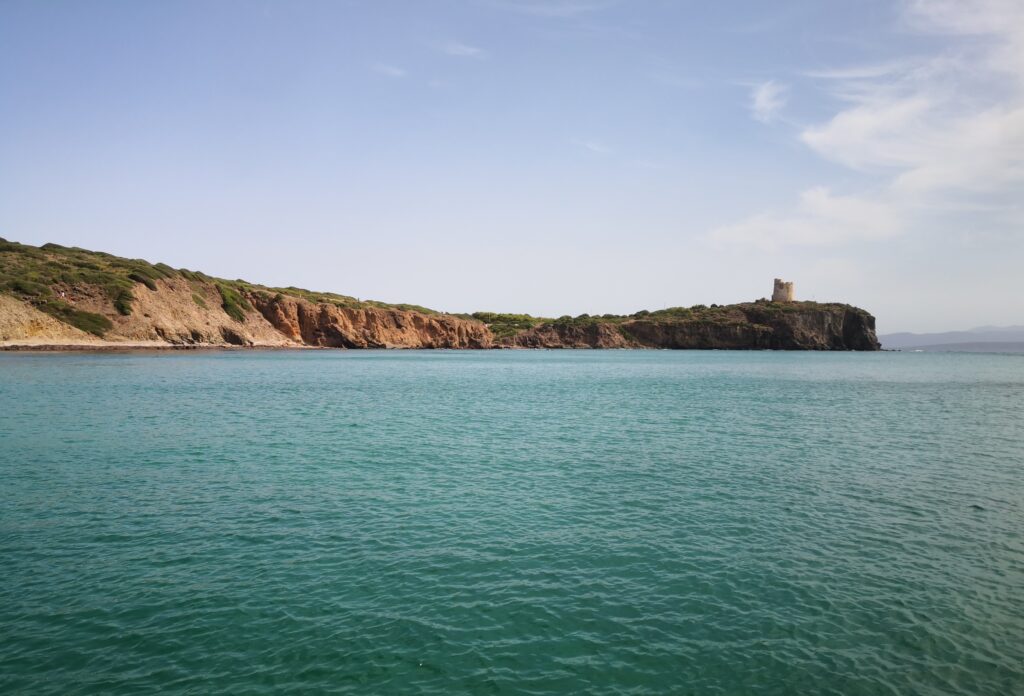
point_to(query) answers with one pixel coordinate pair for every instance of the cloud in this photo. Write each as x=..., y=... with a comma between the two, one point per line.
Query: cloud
x=878, y=133
x=593, y=146
x=857, y=71
x=940, y=131
x=767, y=99
x=392, y=71
x=461, y=50
x=819, y=219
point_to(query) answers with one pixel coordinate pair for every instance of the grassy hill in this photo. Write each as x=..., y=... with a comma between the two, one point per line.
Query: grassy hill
x=38, y=275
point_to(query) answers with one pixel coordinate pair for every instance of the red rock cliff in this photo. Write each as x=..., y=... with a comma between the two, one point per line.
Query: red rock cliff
x=340, y=327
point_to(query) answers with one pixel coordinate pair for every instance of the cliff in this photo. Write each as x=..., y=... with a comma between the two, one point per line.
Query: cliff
x=328, y=325
x=748, y=326
x=59, y=296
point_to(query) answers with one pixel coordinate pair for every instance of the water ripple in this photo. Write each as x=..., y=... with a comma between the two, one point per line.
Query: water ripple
x=511, y=523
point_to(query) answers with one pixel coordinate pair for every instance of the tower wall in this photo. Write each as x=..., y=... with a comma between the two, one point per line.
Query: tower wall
x=783, y=291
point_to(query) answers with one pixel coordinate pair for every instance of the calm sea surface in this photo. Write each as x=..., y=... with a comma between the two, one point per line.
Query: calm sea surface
x=620, y=522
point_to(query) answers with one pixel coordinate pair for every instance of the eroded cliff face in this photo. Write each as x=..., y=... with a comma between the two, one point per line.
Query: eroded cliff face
x=327, y=325
x=183, y=313
x=796, y=326
x=753, y=326
x=555, y=335
x=809, y=326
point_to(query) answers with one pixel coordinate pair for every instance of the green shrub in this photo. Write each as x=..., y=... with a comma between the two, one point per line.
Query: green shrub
x=96, y=324
x=198, y=299
x=164, y=270
x=505, y=325
x=140, y=278
x=29, y=288
x=30, y=271
x=234, y=305
x=123, y=302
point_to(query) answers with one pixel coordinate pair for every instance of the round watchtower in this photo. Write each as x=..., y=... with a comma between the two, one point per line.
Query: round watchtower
x=783, y=291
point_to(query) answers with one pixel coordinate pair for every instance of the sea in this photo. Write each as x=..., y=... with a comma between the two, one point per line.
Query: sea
x=511, y=522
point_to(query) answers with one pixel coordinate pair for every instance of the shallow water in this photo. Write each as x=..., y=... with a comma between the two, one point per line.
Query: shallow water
x=620, y=522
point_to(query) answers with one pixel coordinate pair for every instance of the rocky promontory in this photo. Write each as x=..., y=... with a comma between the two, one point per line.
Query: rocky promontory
x=57, y=296
x=758, y=325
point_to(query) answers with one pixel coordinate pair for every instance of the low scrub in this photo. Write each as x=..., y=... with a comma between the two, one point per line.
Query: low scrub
x=505, y=325
x=139, y=277
x=123, y=302
x=90, y=322
x=234, y=305
x=29, y=288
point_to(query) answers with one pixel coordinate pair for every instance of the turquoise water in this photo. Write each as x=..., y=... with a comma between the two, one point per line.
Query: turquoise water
x=506, y=522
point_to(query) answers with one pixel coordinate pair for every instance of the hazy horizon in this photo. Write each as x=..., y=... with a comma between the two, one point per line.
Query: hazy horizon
x=579, y=156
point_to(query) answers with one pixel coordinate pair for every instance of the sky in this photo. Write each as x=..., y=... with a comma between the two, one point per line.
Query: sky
x=550, y=157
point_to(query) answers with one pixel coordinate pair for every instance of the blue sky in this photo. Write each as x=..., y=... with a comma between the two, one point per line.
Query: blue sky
x=551, y=157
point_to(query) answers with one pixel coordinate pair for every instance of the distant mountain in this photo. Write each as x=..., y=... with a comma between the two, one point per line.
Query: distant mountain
x=973, y=347
x=985, y=339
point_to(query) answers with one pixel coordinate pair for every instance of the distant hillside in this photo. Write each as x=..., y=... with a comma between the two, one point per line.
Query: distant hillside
x=984, y=334
x=973, y=347
x=63, y=296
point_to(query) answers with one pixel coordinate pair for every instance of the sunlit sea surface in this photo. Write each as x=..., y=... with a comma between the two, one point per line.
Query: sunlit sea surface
x=511, y=522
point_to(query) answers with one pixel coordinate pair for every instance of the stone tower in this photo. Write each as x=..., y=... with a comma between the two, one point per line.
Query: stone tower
x=783, y=291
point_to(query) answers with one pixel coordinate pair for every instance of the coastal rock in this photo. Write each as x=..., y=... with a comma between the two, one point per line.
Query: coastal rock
x=793, y=326
x=327, y=325
x=749, y=326
x=555, y=335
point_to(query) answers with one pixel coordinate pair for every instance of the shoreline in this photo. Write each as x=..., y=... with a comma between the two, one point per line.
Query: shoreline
x=120, y=347
x=162, y=347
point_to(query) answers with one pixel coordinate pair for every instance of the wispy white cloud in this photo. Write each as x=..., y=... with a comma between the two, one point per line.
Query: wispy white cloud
x=392, y=71
x=593, y=146
x=859, y=72
x=767, y=99
x=820, y=218
x=1002, y=20
x=461, y=50
x=944, y=130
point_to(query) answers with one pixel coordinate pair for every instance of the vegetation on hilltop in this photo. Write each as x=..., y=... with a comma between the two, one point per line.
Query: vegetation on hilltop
x=505, y=325
x=234, y=305
x=38, y=275
x=35, y=274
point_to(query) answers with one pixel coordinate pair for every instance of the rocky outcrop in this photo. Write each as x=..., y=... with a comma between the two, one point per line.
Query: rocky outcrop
x=327, y=325
x=564, y=335
x=813, y=326
x=792, y=326
x=753, y=326
x=183, y=313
